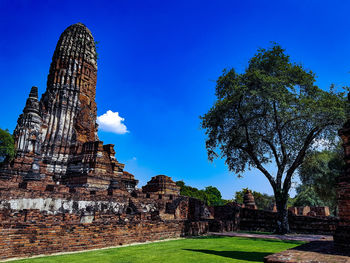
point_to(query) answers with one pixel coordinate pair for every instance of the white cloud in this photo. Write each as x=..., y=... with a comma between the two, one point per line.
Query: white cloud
x=112, y=122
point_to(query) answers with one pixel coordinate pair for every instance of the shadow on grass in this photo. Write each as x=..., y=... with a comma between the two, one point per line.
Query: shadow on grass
x=296, y=242
x=274, y=240
x=241, y=255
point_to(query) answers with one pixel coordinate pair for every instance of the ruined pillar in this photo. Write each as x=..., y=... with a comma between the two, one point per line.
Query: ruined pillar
x=342, y=235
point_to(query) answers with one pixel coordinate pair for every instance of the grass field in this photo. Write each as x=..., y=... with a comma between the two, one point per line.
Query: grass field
x=204, y=249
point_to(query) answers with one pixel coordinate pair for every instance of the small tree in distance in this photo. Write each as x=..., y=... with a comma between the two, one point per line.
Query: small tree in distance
x=7, y=146
x=210, y=195
x=272, y=112
x=318, y=175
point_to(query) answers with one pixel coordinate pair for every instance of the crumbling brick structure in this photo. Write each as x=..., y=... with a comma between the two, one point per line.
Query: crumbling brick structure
x=248, y=200
x=310, y=210
x=56, y=138
x=66, y=191
x=161, y=184
x=342, y=235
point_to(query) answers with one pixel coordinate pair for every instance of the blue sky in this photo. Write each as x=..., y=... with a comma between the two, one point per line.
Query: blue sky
x=158, y=62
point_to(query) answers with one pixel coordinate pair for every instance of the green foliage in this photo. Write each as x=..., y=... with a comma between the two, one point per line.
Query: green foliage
x=306, y=196
x=213, y=196
x=199, y=250
x=272, y=112
x=7, y=146
x=318, y=178
x=210, y=195
x=262, y=201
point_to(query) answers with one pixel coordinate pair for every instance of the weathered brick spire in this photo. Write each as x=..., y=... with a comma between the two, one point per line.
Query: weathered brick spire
x=28, y=138
x=68, y=105
x=27, y=132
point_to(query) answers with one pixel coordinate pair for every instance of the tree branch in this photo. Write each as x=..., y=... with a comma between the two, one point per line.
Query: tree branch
x=259, y=166
x=283, y=149
x=249, y=151
x=300, y=157
x=274, y=151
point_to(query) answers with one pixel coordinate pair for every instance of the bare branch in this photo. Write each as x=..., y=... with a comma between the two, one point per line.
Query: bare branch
x=300, y=157
x=274, y=151
x=283, y=149
x=249, y=151
x=260, y=167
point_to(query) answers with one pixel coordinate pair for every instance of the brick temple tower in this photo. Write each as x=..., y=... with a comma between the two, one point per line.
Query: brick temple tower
x=68, y=106
x=56, y=138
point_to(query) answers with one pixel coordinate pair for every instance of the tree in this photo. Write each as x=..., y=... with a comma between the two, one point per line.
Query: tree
x=214, y=196
x=210, y=195
x=271, y=112
x=318, y=175
x=7, y=146
x=307, y=196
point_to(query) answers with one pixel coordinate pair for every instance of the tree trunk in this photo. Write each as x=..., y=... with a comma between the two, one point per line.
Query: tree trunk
x=282, y=217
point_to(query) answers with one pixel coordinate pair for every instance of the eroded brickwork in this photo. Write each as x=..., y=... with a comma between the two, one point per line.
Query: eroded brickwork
x=56, y=137
x=36, y=220
x=233, y=217
x=65, y=189
x=161, y=184
x=342, y=235
x=248, y=200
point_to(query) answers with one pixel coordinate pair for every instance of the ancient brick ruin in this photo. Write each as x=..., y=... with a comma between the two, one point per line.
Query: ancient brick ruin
x=310, y=210
x=56, y=138
x=66, y=191
x=248, y=200
x=342, y=235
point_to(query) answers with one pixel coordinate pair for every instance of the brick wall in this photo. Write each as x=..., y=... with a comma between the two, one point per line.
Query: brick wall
x=28, y=233
x=231, y=218
x=36, y=222
x=48, y=220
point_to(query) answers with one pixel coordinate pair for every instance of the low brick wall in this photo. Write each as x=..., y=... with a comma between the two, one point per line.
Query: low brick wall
x=41, y=233
x=257, y=220
x=32, y=225
x=232, y=218
x=313, y=224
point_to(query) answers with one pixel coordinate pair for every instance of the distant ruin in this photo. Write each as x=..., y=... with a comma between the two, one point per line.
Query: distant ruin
x=248, y=200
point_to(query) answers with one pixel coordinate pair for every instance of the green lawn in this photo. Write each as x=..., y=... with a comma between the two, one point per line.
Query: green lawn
x=204, y=249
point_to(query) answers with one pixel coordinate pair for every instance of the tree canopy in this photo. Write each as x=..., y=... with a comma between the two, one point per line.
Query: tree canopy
x=273, y=112
x=318, y=175
x=7, y=146
x=210, y=195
